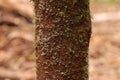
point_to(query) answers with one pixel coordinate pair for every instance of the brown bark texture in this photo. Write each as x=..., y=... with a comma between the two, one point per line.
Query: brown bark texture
x=62, y=33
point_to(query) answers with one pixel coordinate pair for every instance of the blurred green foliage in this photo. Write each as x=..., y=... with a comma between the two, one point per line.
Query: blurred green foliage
x=108, y=1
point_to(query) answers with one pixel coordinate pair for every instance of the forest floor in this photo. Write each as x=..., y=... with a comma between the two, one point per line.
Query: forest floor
x=17, y=59
x=104, y=53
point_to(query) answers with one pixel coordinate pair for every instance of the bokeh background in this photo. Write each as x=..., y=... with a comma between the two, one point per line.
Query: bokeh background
x=104, y=53
x=17, y=58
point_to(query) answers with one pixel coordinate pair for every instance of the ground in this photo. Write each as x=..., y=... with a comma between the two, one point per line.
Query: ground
x=104, y=53
x=17, y=59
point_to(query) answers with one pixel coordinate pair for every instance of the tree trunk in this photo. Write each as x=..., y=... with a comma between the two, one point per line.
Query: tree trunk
x=62, y=33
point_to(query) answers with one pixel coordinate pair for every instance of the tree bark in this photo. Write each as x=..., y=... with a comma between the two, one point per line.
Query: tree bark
x=62, y=33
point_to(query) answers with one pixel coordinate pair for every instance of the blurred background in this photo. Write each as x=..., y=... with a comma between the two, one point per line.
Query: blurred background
x=17, y=59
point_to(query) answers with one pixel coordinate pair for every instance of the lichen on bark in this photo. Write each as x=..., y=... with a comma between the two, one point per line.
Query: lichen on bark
x=63, y=29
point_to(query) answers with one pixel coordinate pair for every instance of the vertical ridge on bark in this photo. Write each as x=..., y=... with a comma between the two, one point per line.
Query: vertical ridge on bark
x=63, y=29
